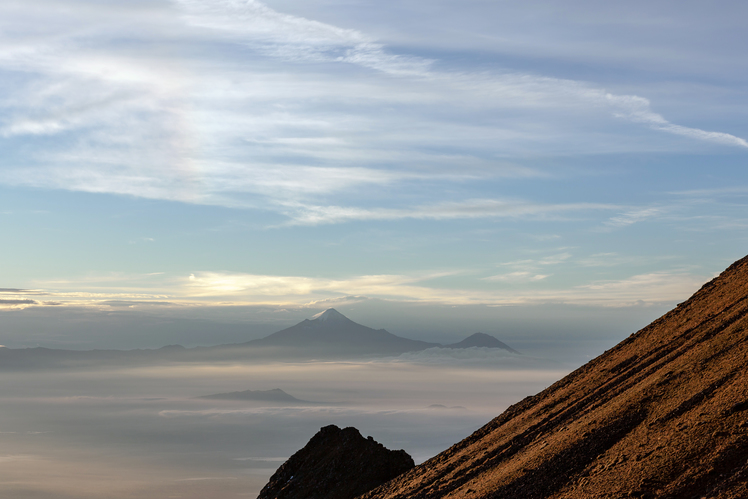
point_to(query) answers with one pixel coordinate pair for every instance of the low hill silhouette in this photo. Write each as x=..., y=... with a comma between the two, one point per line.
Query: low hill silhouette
x=482, y=340
x=274, y=395
x=664, y=414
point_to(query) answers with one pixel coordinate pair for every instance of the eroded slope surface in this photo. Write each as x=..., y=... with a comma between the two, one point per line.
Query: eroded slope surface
x=662, y=414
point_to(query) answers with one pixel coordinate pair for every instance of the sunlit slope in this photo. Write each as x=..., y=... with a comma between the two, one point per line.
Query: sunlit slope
x=662, y=414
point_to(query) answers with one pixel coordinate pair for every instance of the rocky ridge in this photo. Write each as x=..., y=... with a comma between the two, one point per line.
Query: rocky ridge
x=336, y=464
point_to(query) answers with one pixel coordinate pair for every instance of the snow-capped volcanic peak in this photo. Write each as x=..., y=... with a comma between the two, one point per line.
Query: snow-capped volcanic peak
x=329, y=315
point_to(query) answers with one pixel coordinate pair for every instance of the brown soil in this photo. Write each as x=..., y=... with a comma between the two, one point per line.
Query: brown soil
x=662, y=414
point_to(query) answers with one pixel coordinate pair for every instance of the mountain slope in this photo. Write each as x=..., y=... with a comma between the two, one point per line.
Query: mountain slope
x=333, y=333
x=662, y=414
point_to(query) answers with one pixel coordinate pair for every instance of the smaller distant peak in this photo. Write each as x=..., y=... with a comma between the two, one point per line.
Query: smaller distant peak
x=329, y=315
x=172, y=347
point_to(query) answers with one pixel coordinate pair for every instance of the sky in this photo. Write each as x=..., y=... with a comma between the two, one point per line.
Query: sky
x=202, y=172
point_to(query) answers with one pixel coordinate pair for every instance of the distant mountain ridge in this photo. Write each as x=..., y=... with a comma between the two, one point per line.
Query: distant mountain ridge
x=328, y=334
x=332, y=332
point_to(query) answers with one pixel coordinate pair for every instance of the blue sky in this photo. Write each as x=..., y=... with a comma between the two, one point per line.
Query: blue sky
x=255, y=162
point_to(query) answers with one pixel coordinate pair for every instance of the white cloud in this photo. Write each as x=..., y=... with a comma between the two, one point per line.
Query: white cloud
x=519, y=276
x=638, y=110
x=634, y=216
x=554, y=259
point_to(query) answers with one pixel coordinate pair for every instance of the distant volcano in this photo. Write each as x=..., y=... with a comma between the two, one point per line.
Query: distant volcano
x=482, y=340
x=330, y=332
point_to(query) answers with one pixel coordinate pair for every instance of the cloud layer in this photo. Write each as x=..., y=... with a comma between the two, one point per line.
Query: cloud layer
x=245, y=106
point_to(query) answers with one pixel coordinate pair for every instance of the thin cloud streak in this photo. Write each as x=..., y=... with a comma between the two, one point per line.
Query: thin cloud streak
x=635, y=216
x=638, y=110
x=474, y=208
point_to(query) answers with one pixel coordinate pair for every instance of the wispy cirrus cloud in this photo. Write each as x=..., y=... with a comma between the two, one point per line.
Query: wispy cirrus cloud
x=299, y=38
x=296, y=38
x=275, y=106
x=639, y=110
x=646, y=288
x=456, y=287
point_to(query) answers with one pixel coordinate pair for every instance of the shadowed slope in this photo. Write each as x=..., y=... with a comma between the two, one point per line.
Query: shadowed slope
x=662, y=414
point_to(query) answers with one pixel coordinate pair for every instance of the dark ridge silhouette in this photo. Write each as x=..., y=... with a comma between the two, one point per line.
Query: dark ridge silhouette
x=482, y=340
x=336, y=464
x=274, y=395
x=664, y=414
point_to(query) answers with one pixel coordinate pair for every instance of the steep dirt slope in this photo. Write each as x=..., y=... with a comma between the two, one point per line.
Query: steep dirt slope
x=662, y=414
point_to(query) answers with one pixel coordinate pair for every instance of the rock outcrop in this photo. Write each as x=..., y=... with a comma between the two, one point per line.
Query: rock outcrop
x=664, y=414
x=336, y=464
